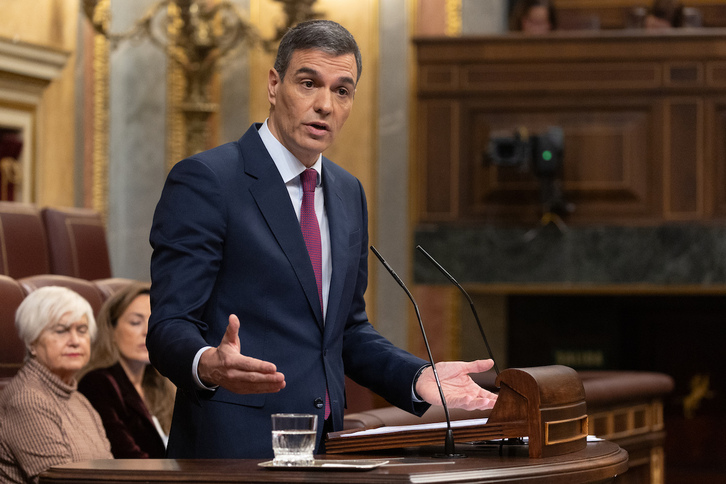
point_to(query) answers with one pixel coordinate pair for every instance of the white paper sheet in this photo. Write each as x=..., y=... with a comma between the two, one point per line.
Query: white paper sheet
x=403, y=428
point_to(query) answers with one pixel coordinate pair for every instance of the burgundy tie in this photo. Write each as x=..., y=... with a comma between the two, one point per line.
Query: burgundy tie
x=311, y=234
x=310, y=227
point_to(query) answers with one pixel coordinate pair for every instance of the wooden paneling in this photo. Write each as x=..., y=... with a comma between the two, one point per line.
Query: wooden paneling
x=605, y=169
x=560, y=76
x=716, y=74
x=716, y=158
x=684, y=164
x=440, y=141
x=642, y=115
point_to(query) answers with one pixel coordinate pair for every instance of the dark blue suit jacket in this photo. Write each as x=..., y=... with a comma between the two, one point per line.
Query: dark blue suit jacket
x=227, y=241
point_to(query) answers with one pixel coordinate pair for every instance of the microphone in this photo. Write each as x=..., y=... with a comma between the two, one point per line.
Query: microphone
x=471, y=303
x=449, y=446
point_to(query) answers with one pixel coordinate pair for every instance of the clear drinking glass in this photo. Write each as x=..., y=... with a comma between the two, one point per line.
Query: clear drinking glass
x=293, y=438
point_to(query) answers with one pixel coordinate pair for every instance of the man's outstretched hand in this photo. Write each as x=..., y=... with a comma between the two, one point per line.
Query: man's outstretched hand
x=460, y=390
x=226, y=367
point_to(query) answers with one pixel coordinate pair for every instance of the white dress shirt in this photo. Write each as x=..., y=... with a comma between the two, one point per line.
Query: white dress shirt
x=290, y=169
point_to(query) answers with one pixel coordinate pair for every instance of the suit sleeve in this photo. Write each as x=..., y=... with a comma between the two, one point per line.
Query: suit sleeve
x=187, y=238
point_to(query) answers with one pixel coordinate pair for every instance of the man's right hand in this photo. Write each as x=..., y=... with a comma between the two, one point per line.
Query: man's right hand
x=226, y=367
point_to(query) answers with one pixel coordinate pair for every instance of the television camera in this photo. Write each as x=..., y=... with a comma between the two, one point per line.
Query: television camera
x=540, y=154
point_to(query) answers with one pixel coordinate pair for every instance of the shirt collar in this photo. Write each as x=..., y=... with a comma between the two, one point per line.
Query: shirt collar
x=287, y=164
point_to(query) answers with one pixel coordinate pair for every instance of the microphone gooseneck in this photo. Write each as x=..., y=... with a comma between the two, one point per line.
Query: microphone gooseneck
x=471, y=303
x=449, y=445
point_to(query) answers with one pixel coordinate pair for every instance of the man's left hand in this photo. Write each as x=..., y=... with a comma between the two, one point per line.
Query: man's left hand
x=460, y=390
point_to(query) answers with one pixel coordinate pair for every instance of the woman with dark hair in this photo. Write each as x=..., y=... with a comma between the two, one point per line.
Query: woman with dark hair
x=533, y=17
x=135, y=402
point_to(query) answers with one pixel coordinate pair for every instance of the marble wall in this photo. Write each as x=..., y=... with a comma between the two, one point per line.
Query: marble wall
x=677, y=254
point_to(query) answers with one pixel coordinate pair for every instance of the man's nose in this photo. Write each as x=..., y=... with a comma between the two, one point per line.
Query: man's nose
x=324, y=101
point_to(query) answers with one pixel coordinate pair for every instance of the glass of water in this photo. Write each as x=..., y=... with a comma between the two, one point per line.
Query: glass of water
x=293, y=438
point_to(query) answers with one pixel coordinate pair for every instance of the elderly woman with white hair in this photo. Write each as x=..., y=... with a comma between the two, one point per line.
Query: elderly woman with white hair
x=44, y=420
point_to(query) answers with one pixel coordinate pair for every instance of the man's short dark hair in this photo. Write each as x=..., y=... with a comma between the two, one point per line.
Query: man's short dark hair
x=325, y=35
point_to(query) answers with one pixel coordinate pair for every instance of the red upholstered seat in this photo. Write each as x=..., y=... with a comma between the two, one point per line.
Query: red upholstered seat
x=606, y=388
x=23, y=241
x=108, y=287
x=77, y=243
x=85, y=288
x=12, y=349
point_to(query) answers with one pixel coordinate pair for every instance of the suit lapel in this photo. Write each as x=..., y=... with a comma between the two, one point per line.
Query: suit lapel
x=273, y=200
x=338, y=225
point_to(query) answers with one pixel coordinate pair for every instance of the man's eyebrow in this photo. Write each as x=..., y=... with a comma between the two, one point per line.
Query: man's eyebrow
x=346, y=80
x=313, y=72
x=307, y=70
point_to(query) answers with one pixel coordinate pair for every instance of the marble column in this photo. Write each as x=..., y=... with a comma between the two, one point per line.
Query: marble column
x=137, y=122
x=392, y=185
x=234, y=78
x=137, y=130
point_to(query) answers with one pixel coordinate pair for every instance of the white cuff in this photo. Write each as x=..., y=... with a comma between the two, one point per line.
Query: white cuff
x=414, y=395
x=195, y=370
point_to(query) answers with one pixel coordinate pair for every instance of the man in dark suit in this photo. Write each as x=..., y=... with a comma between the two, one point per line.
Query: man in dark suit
x=250, y=316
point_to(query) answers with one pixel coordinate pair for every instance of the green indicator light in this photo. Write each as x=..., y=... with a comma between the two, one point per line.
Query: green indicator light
x=547, y=155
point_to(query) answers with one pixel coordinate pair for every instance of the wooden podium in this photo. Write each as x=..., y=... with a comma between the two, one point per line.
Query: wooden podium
x=545, y=404
x=598, y=462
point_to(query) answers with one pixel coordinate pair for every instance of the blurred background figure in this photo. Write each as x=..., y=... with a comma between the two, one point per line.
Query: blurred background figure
x=45, y=420
x=533, y=17
x=664, y=14
x=135, y=402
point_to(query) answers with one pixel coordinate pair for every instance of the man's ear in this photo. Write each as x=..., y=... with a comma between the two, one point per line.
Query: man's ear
x=273, y=82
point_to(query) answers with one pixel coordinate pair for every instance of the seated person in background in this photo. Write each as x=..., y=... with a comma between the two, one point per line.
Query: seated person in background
x=44, y=420
x=533, y=17
x=664, y=14
x=135, y=402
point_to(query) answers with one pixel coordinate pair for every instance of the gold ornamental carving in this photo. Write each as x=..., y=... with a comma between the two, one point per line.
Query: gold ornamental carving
x=99, y=163
x=195, y=35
